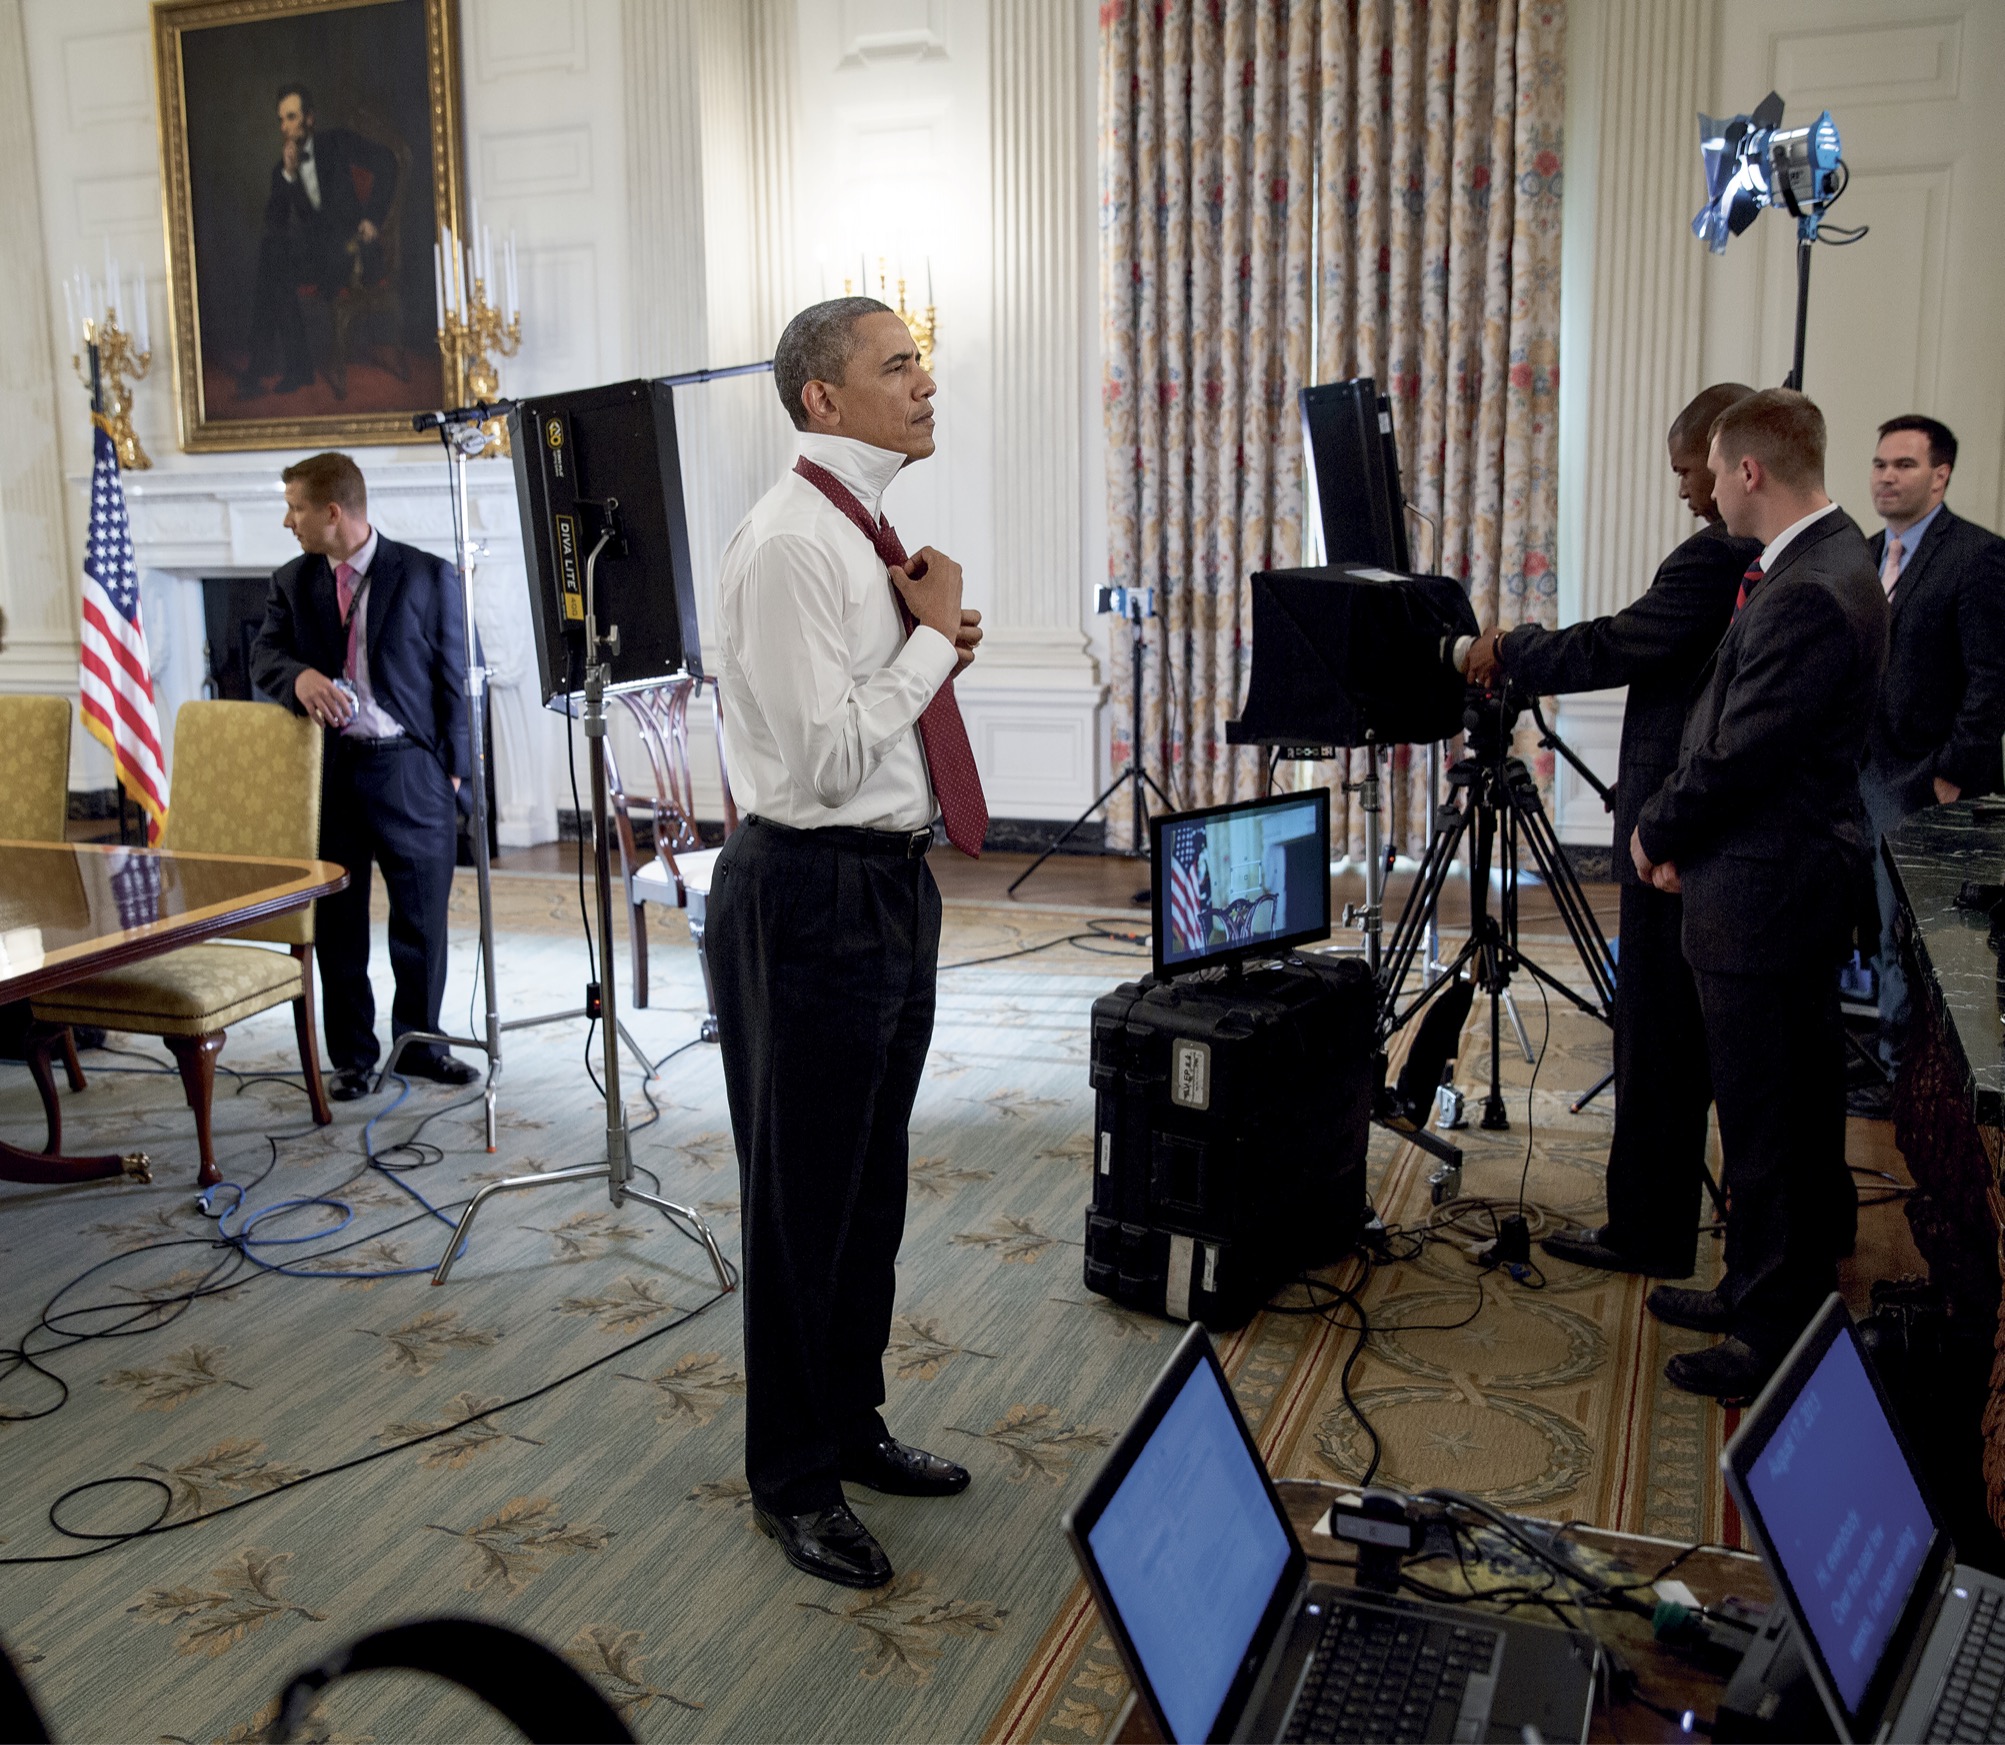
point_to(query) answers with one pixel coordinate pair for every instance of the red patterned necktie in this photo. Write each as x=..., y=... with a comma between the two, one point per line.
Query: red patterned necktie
x=1750, y=580
x=344, y=593
x=943, y=735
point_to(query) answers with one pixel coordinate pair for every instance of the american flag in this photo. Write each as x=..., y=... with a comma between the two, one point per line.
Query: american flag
x=1189, y=890
x=116, y=683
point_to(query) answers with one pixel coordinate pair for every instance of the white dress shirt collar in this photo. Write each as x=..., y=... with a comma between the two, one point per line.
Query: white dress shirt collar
x=362, y=559
x=1780, y=543
x=864, y=468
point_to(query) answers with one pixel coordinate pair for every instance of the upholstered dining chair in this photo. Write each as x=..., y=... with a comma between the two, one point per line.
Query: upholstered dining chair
x=34, y=807
x=246, y=781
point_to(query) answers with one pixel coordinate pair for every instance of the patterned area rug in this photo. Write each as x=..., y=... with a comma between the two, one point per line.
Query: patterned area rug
x=607, y=1516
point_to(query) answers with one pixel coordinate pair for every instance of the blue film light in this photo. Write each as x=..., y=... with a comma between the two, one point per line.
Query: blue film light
x=1752, y=162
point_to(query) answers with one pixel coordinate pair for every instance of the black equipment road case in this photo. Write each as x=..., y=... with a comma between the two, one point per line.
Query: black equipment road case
x=1230, y=1128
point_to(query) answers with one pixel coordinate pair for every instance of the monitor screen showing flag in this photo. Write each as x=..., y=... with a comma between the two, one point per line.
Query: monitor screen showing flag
x=1242, y=881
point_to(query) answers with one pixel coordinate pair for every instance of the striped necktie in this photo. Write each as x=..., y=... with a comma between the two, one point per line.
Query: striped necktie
x=943, y=735
x=1748, y=583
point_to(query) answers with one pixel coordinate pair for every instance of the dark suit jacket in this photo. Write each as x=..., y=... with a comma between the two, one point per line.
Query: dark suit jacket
x=1657, y=646
x=1762, y=814
x=1942, y=706
x=417, y=642
x=338, y=156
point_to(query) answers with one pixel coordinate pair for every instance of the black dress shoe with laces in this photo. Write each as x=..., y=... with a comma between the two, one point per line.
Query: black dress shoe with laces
x=1732, y=1372
x=1699, y=1311
x=348, y=1085
x=441, y=1069
x=899, y=1471
x=1591, y=1247
x=831, y=1543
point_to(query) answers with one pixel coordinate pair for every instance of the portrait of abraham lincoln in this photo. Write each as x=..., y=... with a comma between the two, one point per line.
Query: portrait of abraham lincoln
x=311, y=154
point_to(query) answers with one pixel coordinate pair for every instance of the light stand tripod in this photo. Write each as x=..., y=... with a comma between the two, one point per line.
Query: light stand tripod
x=1133, y=604
x=461, y=433
x=616, y=1171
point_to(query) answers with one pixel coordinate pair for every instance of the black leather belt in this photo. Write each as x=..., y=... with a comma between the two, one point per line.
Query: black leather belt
x=389, y=742
x=903, y=844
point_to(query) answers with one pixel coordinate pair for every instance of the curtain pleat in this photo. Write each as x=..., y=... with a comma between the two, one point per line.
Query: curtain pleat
x=1302, y=190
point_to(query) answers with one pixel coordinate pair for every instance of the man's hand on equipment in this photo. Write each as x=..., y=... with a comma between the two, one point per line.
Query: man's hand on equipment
x=966, y=639
x=1483, y=663
x=930, y=584
x=322, y=700
x=1659, y=875
x=1947, y=793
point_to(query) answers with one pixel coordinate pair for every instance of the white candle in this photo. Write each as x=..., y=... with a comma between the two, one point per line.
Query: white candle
x=472, y=276
x=438, y=290
x=145, y=321
x=114, y=301
x=487, y=263
x=514, y=280
x=451, y=267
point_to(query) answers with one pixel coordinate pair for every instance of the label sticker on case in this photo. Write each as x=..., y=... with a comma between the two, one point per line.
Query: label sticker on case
x=1190, y=1074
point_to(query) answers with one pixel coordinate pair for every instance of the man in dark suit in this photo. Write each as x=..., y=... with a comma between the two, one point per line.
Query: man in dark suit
x=1935, y=737
x=330, y=192
x=1762, y=829
x=1657, y=647
x=368, y=638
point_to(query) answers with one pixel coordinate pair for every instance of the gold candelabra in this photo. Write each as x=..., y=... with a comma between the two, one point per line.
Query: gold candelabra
x=469, y=343
x=923, y=323
x=109, y=361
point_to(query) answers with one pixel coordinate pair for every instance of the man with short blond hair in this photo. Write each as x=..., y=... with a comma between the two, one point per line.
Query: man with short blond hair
x=367, y=637
x=1935, y=736
x=1761, y=829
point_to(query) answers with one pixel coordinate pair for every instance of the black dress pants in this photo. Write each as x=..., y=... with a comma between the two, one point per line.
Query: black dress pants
x=1777, y=1046
x=390, y=803
x=823, y=955
x=1663, y=1088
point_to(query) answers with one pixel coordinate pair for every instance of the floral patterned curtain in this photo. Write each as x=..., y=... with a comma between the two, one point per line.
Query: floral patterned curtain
x=1301, y=190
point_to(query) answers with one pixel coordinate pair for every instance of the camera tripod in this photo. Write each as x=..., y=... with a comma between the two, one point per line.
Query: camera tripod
x=1493, y=801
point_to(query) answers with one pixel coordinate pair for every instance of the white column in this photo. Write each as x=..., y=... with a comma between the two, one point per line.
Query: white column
x=663, y=68
x=38, y=585
x=1032, y=699
x=1642, y=357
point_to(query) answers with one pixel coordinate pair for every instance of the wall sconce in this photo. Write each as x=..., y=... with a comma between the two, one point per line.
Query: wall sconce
x=923, y=323
x=473, y=331
x=112, y=354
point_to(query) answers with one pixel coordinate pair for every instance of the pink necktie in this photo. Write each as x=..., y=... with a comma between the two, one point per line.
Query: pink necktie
x=1890, y=571
x=344, y=592
x=943, y=735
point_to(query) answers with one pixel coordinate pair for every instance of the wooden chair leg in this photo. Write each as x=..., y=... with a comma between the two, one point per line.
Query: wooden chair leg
x=39, y=1050
x=638, y=914
x=196, y=1056
x=309, y=1038
x=71, y=1065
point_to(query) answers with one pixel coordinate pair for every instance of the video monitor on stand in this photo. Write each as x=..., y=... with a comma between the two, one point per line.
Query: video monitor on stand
x=1249, y=880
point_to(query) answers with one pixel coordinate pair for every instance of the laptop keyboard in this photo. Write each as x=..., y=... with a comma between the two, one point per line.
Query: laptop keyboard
x=1389, y=1675
x=1973, y=1700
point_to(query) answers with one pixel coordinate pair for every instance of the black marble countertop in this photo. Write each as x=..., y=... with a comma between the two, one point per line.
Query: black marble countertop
x=1932, y=856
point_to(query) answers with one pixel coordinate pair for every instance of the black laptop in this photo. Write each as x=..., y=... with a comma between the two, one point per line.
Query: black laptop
x=1206, y=1594
x=1902, y=1641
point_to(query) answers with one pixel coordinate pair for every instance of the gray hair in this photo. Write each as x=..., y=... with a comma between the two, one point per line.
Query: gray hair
x=817, y=347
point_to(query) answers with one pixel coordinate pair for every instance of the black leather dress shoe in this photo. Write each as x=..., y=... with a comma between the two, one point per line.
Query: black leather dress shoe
x=1731, y=1371
x=441, y=1069
x=1699, y=1311
x=347, y=1085
x=831, y=1543
x=891, y=1467
x=1591, y=1247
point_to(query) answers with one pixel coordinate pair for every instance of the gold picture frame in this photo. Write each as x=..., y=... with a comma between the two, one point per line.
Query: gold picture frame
x=340, y=308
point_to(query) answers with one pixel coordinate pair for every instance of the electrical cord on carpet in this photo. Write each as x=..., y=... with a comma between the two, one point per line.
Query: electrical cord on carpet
x=160, y=1525
x=1099, y=928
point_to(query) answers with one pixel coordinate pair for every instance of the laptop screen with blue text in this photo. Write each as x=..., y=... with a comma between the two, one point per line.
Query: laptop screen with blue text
x=1191, y=1551
x=1841, y=1511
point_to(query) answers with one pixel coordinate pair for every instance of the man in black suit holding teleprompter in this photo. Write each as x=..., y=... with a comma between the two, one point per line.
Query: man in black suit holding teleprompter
x=1657, y=646
x=1762, y=829
x=1935, y=736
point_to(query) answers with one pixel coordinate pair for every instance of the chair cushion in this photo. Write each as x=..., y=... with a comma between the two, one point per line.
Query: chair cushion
x=653, y=883
x=191, y=992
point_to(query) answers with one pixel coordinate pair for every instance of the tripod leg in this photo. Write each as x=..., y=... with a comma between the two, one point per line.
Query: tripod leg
x=1594, y=1090
x=1518, y=1025
x=1074, y=827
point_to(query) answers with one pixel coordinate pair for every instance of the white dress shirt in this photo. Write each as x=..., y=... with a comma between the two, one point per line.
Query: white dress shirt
x=308, y=176
x=822, y=686
x=1780, y=543
x=371, y=720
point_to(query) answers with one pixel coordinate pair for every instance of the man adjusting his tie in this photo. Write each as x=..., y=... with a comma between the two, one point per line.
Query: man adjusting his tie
x=838, y=653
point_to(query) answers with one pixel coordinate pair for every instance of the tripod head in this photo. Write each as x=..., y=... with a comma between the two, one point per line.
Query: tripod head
x=1489, y=718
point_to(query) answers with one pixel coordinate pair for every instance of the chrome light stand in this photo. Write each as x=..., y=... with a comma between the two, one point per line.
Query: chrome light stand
x=463, y=435
x=616, y=1171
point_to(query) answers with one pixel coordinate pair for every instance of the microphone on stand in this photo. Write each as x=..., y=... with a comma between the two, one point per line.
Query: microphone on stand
x=478, y=413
